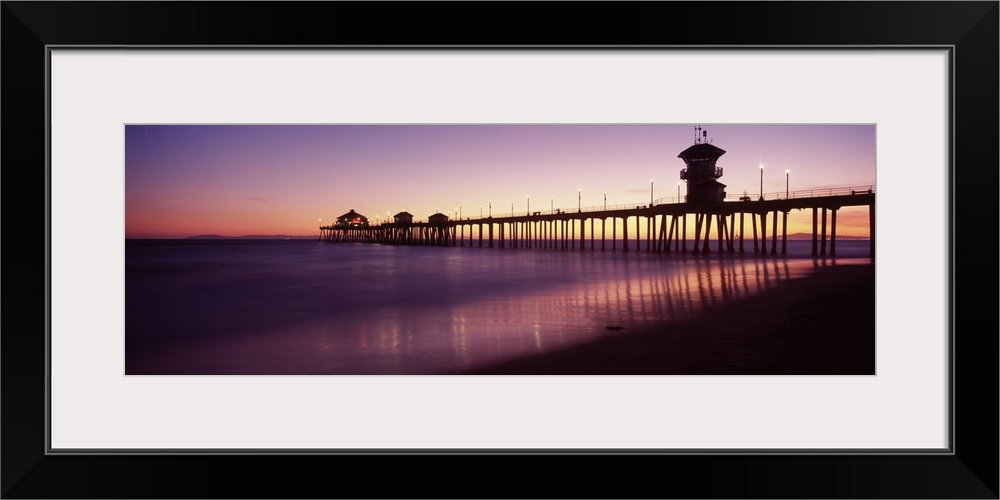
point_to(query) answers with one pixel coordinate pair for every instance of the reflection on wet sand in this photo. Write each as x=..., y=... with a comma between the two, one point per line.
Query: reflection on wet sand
x=823, y=324
x=493, y=329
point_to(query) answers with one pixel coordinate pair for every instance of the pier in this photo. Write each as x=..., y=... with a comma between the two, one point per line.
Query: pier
x=719, y=226
x=715, y=216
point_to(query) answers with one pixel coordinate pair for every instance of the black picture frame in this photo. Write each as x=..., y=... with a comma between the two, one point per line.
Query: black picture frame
x=969, y=28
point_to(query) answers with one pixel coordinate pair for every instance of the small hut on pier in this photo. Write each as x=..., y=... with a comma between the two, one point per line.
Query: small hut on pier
x=438, y=218
x=403, y=218
x=352, y=219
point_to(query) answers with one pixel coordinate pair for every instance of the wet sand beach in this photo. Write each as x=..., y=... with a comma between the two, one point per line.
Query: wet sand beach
x=820, y=324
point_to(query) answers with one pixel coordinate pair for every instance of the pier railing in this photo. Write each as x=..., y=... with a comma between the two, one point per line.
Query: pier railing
x=782, y=195
x=778, y=195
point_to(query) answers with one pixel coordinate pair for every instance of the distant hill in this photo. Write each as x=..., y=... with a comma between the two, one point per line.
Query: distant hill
x=250, y=237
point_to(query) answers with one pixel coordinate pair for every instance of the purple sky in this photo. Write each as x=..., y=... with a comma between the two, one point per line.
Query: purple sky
x=183, y=180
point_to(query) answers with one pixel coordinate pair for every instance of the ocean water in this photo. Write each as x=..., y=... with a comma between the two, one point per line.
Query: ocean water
x=301, y=307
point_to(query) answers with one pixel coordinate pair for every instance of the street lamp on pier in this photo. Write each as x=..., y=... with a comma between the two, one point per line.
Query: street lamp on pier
x=786, y=183
x=578, y=206
x=762, y=182
x=491, y=209
x=651, y=192
x=529, y=205
x=678, y=192
x=605, y=201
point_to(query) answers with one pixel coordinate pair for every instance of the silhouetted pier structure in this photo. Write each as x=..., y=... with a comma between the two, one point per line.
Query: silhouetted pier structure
x=666, y=224
x=719, y=226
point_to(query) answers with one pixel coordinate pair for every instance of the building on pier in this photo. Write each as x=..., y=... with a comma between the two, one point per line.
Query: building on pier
x=701, y=173
x=403, y=218
x=438, y=218
x=352, y=219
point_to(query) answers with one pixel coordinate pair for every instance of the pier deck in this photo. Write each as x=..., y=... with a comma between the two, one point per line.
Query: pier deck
x=666, y=226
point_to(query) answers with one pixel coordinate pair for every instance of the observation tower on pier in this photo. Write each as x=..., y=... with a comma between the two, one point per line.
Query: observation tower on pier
x=701, y=174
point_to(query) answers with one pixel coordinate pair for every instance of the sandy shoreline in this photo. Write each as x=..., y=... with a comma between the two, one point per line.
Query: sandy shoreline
x=823, y=324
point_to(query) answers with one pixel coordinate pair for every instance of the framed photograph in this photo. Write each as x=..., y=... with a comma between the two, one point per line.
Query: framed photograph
x=276, y=240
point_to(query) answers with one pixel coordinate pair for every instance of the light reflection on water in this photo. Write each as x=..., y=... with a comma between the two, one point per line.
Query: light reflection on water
x=303, y=307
